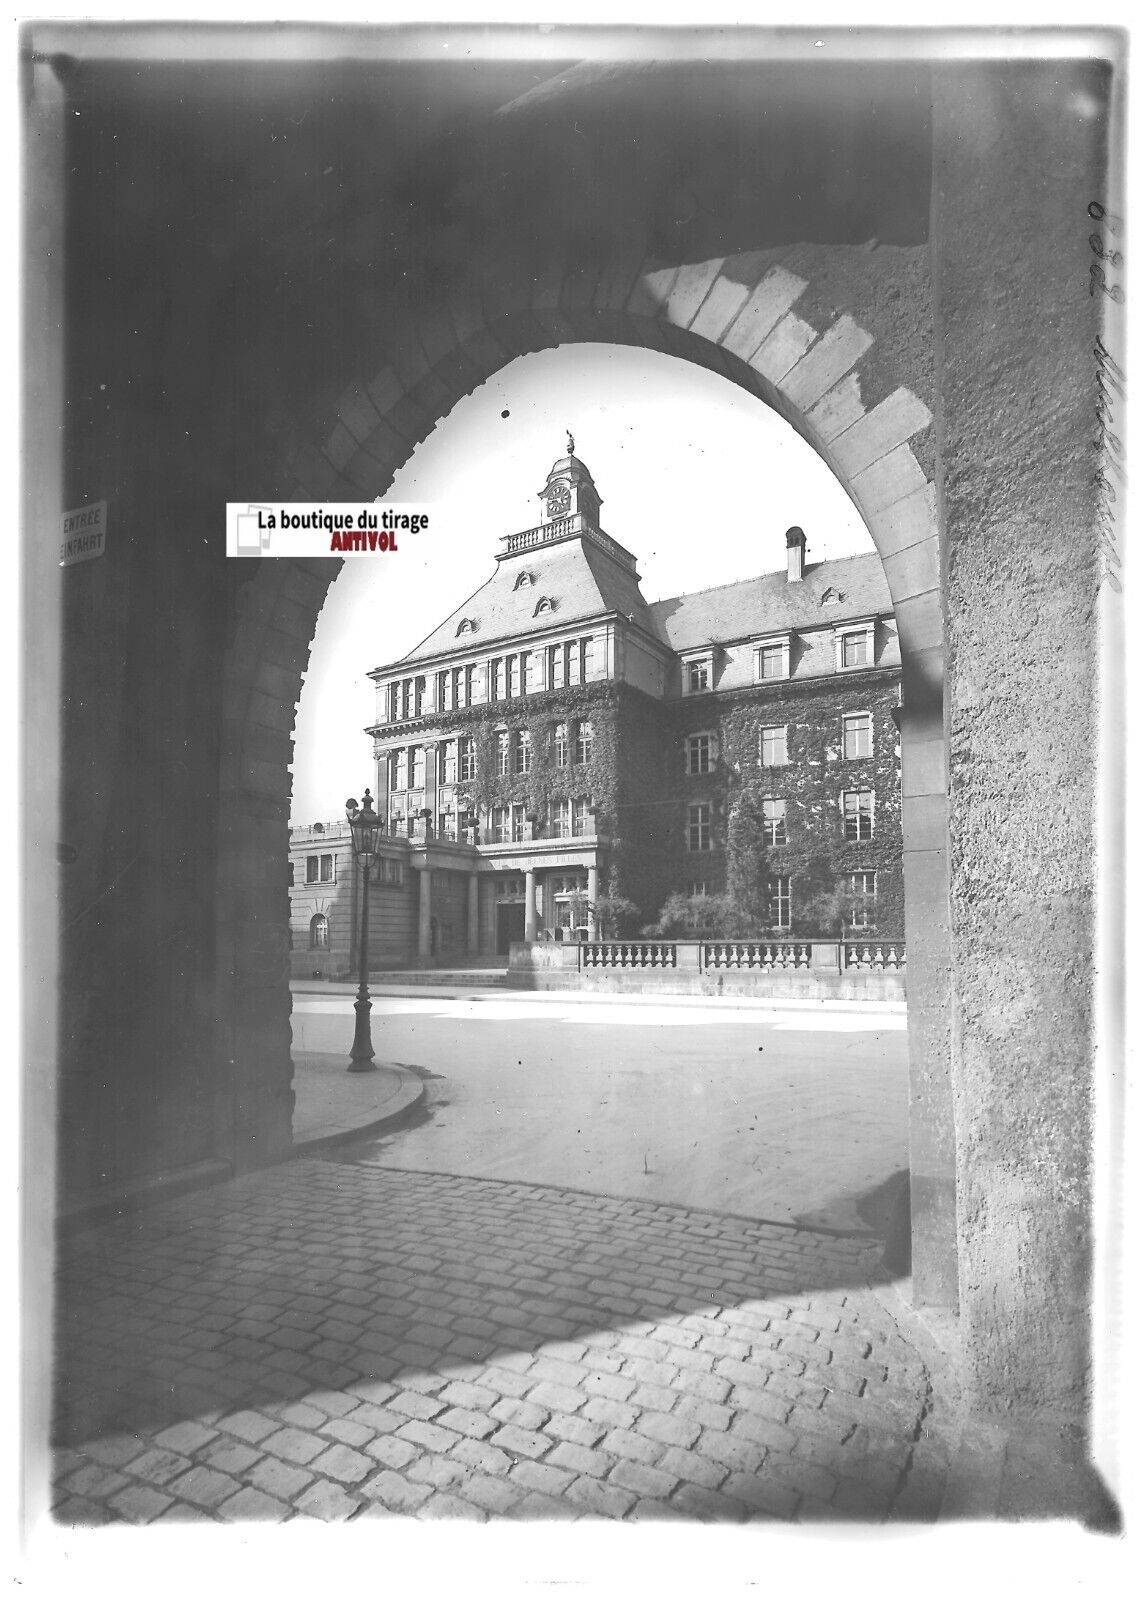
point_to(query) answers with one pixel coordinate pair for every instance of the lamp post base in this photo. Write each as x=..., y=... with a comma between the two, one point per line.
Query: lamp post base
x=362, y=1050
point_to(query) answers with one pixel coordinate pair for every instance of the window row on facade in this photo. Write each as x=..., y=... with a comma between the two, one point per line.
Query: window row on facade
x=322, y=869
x=853, y=648
x=572, y=818
x=858, y=811
x=859, y=915
x=502, y=677
x=456, y=760
x=702, y=749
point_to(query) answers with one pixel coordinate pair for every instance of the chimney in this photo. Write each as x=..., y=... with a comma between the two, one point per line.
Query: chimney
x=795, y=553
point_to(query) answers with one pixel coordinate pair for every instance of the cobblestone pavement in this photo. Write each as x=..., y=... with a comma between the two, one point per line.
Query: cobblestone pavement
x=334, y=1340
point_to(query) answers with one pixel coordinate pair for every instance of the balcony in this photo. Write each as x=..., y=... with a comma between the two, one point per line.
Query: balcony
x=565, y=528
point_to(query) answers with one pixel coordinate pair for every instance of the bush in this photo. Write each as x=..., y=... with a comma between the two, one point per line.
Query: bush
x=617, y=917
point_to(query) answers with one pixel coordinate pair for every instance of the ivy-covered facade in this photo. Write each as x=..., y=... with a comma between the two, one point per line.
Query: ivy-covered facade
x=561, y=760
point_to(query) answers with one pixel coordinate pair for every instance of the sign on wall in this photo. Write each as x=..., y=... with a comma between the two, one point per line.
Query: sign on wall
x=84, y=533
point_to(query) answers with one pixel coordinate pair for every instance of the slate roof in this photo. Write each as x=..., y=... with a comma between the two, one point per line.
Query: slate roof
x=583, y=582
x=576, y=575
x=771, y=604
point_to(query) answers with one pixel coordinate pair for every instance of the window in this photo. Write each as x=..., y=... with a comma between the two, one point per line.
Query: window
x=413, y=696
x=465, y=626
x=697, y=677
x=416, y=767
x=326, y=869
x=773, y=821
x=312, y=869
x=517, y=824
x=698, y=754
x=446, y=827
x=771, y=659
x=779, y=903
x=467, y=764
x=442, y=691
x=863, y=888
x=522, y=751
x=561, y=744
x=500, y=825
x=855, y=647
x=448, y=761
x=857, y=806
x=497, y=671
x=394, y=871
x=576, y=659
x=775, y=747
x=558, y=819
x=503, y=753
x=699, y=889
x=581, y=821
x=857, y=734
x=555, y=663
x=543, y=606
x=583, y=743
x=290, y=874
x=523, y=578
x=698, y=829
x=320, y=934
x=462, y=686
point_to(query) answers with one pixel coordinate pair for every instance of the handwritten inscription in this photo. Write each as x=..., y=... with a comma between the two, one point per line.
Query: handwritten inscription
x=1110, y=392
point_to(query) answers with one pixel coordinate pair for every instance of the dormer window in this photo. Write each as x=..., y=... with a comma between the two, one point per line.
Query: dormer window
x=853, y=647
x=698, y=673
x=544, y=605
x=771, y=658
x=832, y=597
x=524, y=580
x=467, y=625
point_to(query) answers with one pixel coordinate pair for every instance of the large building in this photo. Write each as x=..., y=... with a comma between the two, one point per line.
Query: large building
x=558, y=758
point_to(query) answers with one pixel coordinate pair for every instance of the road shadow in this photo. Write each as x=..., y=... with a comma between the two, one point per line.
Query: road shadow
x=319, y=1276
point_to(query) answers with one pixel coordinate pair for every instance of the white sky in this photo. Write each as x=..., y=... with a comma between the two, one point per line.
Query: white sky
x=697, y=478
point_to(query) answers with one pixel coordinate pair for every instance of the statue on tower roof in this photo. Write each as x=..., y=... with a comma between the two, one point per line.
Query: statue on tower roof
x=569, y=442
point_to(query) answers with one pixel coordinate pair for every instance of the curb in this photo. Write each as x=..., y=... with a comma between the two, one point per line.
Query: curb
x=410, y=1097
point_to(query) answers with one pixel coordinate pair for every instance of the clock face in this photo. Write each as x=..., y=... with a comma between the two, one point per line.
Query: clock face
x=558, y=500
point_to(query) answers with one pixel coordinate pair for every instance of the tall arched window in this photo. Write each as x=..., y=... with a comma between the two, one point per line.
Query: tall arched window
x=320, y=933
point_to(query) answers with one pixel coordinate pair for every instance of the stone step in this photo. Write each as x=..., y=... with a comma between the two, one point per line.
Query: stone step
x=471, y=977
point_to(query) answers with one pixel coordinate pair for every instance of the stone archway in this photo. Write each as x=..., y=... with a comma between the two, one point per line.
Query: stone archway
x=764, y=325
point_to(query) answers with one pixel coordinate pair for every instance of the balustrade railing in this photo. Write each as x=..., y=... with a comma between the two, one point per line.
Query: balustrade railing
x=818, y=957
x=873, y=955
x=628, y=953
x=763, y=954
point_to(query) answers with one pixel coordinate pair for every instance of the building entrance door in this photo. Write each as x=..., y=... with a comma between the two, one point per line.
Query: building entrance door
x=511, y=926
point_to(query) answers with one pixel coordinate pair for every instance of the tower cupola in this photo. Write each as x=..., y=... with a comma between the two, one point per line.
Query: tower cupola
x=570, y=490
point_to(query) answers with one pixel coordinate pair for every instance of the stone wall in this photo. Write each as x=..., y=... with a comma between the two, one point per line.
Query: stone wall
x=1015, y=327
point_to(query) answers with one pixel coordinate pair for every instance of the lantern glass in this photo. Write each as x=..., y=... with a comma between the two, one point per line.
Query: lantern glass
x=366, y=825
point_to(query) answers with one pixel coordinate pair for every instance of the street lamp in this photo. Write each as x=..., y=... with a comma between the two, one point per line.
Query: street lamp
x=366, y=827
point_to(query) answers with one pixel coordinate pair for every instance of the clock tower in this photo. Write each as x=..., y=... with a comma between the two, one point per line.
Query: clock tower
x=570, y=491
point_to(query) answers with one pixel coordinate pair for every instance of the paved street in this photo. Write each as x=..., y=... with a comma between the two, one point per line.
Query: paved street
x=333, y=1339
x=779, y=1114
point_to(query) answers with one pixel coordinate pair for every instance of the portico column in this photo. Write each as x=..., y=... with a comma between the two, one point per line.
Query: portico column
x=531, y=909
x=472, y=913
x=592, y=896
x=424, y=912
